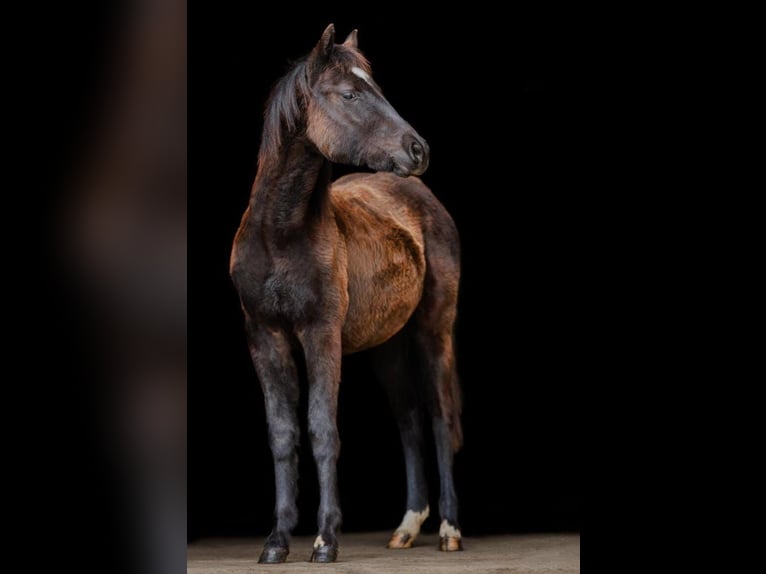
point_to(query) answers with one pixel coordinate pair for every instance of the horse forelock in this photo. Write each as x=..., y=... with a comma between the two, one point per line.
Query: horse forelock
x=347, y=59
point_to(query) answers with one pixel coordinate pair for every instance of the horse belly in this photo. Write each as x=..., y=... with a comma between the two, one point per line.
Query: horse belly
x=382, y=298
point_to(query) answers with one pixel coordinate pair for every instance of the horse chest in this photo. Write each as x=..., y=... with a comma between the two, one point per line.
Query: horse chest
x=287, y=286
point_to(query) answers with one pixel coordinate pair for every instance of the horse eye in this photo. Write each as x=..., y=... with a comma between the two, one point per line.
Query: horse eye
x=348, y=95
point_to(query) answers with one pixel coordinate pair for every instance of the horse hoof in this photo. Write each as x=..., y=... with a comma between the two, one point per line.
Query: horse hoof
x=325, y=554
x=450, y=544
x=401, y=540
x=273, y=555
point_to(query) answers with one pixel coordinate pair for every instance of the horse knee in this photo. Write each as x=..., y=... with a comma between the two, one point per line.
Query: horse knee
x=324, y=446
x=325, y=440
x=284, y=444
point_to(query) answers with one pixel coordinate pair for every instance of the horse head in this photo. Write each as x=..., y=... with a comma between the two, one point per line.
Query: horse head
x=349, y=120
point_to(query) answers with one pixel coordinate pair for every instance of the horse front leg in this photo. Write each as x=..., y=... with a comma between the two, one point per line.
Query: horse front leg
x=272, y=357
x=322, y=347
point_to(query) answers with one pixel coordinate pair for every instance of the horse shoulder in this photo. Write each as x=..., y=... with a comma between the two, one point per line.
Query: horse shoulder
x=372, y=218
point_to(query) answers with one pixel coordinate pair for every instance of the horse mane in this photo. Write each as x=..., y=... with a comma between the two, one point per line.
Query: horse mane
x=284, y=108
x=286, y=104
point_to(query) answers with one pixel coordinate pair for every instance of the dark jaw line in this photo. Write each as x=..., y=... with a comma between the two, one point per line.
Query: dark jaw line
x=393, y=166
x=402, y=171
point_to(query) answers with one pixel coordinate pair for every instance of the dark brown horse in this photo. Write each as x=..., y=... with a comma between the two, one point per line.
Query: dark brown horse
x=369, y=261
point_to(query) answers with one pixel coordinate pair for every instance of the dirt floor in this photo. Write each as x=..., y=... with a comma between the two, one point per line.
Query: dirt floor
x=365, y=553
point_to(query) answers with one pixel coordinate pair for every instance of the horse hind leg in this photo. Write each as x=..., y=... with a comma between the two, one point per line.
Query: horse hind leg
x=434, y=324
x=444, y=404
x=395, y=372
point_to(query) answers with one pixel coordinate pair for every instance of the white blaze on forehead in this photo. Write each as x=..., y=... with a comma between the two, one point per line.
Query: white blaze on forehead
x=446, y=529
x=362, y=74
x=413, y=521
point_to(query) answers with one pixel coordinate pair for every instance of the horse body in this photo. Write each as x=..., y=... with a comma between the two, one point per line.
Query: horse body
x=369, y=262
x=385, y=243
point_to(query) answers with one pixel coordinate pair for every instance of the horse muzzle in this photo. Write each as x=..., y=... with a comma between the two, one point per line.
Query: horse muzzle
x=417, y=156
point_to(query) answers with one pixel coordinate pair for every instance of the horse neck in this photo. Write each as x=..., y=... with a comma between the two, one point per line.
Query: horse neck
x=290, y=193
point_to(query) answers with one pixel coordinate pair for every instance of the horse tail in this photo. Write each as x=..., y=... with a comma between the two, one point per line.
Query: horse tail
x=451, y=399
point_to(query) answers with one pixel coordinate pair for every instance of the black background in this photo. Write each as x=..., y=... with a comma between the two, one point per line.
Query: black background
x=500, y=100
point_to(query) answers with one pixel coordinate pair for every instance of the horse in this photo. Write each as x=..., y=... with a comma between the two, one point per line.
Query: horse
x=368, y=262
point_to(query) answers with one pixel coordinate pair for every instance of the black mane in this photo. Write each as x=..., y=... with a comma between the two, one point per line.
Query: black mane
x=284, y=109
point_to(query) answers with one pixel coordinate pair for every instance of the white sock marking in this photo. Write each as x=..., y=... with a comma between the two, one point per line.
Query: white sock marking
x=446, y=529
x=413, y=521
x=319, y=542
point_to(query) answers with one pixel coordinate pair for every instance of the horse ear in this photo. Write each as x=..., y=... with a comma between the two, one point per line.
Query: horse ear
x=323, y=48
x=351, y=40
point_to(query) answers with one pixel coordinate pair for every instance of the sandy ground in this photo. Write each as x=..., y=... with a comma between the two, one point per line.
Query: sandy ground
x=363, y=553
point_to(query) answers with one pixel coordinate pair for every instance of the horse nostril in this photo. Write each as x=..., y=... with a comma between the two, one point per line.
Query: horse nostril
x=416, y=151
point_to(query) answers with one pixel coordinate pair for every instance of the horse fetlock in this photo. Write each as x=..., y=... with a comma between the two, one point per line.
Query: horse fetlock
x=287, y=518
x=329, y=523
x=321, y=541
x=279, y=538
